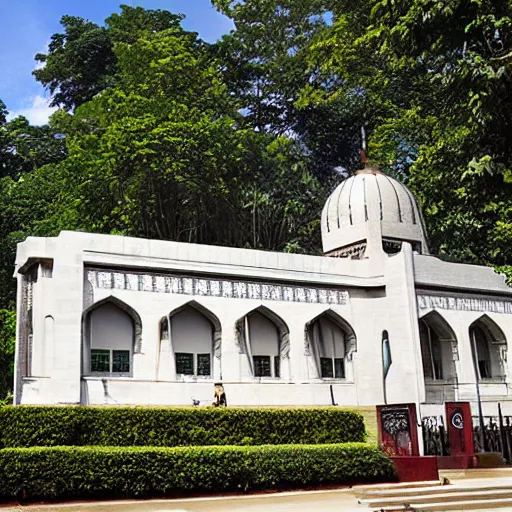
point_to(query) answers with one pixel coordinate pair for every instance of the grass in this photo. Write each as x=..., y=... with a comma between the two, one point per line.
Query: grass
x=369, y=414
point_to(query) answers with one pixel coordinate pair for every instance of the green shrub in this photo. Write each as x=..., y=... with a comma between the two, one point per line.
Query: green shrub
x=123, y=426
x=119, y=472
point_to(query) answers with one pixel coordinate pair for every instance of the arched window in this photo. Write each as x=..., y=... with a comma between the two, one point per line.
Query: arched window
x=194, y=334
x=438, y=347
x=332, y=342
x=264, y=337
x=488, y=345
x=111, y=330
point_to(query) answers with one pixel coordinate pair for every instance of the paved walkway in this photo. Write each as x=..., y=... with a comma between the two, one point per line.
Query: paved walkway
x=309, y=501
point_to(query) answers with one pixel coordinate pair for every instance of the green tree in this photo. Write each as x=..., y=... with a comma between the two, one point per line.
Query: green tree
x=266, y=66
x=28, y=179
x=7, y=346
x=263, y=56
x=165, y=154
x=434, y=80
x=81, y=61
x=11, y=163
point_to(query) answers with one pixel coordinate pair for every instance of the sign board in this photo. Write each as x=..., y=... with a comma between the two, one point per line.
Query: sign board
x=398, y=431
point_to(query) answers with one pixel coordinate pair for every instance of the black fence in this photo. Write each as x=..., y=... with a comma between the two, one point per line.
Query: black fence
x=496, y=436
x=435, y=438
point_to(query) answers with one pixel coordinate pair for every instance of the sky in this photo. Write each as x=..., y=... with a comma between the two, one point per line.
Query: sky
x=27, y=26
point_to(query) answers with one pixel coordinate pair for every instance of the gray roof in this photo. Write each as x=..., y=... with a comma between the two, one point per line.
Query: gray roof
x=431, y=272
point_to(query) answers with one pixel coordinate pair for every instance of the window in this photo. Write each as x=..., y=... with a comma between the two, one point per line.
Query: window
x=110, y=361
x=483, y=353
x=184, y=364
x=120, y=361
x=100, y=361
x=203, y=365
x=437, y=359
x=431, y=352
x=110, y=340
x=339, y=368
x=262, y=366
x=326, y=365
x=332, y=368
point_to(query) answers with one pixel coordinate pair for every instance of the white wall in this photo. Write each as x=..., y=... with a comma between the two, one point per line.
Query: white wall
x=263, y=336
x=111, y=328
x=191, y=332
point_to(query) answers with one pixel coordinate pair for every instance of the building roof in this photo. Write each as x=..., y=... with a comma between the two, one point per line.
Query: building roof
x=432, y=273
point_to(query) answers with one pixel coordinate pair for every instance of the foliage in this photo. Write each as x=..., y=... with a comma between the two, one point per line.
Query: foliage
x=78, y=426
x=81, y=62
x=266, y=68
x=434, y=79
x=116, y=472
x=163, y=154
x=7, y=345
x=263, y=56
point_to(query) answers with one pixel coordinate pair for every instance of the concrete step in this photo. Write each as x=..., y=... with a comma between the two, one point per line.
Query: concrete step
x=455, y=474
x=469, y=495
x=404, y=491
x=361, y=489
x=437, y=489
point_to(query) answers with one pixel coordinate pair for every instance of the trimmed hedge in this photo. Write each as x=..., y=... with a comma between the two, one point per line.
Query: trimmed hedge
x=121, y=472
x=124, y=426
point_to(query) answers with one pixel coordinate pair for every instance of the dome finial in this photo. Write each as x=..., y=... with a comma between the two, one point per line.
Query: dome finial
x=364, y=159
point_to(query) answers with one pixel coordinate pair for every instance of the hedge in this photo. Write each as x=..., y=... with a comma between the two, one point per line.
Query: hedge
x=124, y=426
x=141, y=472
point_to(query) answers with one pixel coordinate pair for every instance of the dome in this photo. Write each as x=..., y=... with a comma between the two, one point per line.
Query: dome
x=371, y=210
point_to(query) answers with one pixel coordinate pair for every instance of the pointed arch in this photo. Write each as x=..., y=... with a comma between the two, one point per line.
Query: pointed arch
x=488, y=347
x=439, y=349
x=192, y=351
x=282, y=327
x=340, y=322
x=343, y=344
x=494, y=330
x=244, y=339
x=102, y=343
x=137, y=322
x=212, y=318
x=440, y=324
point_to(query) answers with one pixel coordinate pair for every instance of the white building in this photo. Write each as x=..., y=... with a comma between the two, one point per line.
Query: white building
x=119, y=320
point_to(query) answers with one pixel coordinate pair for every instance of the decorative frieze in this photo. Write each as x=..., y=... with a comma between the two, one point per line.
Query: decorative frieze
x=162, y=283
x=464, y=304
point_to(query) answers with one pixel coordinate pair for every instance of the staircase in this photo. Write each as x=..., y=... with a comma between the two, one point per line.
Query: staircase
x=468, y=490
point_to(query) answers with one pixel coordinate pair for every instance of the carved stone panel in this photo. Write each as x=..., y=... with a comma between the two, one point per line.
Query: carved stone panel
x=233, y=289
x=464, y=304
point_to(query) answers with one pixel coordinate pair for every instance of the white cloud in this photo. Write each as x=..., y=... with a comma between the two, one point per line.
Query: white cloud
x=45, y=50
x=37, y=112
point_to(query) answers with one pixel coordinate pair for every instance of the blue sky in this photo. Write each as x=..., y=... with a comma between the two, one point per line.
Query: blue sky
x=27, y=26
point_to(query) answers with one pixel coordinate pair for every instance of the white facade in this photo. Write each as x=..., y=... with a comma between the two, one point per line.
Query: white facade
x=116, y=320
